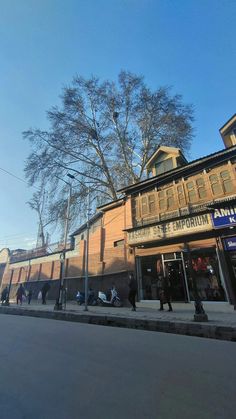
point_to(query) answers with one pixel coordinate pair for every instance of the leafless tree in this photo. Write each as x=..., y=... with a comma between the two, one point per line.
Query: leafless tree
x=103, y=133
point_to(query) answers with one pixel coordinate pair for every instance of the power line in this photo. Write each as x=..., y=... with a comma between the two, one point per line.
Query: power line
x=12, y=174
x=18, y=178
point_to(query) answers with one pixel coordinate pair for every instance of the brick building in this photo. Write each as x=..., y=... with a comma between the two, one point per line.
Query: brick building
x=178, y=222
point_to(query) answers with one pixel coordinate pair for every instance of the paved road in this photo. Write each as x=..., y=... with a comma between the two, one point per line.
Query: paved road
x=54, y=369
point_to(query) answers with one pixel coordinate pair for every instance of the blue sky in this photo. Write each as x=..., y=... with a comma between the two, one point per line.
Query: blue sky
x=186, y=44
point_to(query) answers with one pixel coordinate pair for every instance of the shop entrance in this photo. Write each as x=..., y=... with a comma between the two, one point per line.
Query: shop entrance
x=176, y=275
x=156, y=266
x=205, y=269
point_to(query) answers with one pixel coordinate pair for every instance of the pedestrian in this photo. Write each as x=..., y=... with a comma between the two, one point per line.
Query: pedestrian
x=132, y=291
x=19, y=294
x=45, y=290
x=4, y=295
x=113, y=293
x=30, y=293
x=165, y=294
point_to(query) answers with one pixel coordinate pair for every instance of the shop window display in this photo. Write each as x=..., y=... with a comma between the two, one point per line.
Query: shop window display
x=206, y=272
x=204, y=268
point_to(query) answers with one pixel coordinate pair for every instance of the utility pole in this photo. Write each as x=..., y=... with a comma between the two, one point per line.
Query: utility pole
x=59, y=301
x=87, y=254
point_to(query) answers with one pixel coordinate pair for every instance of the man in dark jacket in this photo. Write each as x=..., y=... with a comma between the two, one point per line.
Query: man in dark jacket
x=45, y=290
x=165, y=294
x=19, y=294
x=132, y=291
x=4, y=295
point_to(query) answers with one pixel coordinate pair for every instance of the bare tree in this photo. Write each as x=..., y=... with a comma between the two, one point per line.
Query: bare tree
x=104, y=133
x=39, y=204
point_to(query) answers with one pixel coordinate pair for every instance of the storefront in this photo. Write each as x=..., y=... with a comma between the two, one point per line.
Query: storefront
x=224, y=223
x=154, y=259
x=230, y=248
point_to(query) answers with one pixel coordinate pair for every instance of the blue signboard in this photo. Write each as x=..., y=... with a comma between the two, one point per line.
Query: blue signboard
x=230, y=243
x=223, y=217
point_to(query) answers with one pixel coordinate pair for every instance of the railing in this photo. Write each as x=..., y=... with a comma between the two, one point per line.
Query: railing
x=39, y=251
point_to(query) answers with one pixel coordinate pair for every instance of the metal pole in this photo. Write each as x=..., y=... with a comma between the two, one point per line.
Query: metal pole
x=7, y=302
x=87, y=254
x=59, y=302
x=67, y=216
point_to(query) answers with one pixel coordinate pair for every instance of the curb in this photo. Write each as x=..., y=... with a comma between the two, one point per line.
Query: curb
x=204, y=330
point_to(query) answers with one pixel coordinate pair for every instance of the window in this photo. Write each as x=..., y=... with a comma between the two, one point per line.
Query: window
x=119, y=243
x=162, y=204
x=215, y=185
x=144, y=203
x=152, y=204
x=191, y=192
x=164, y=166
x=147, y=205
x=170, y=198
x=181, y=197
x=135, y=207
x=201, y=188
x=226, y=181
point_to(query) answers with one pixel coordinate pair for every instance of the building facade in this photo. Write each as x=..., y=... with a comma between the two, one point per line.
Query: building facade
x=183, y=223
x=180, y=222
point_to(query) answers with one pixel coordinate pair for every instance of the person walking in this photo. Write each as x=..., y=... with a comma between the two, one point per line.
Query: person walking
x=132, y=291
x=165, y=294
x=113, y=293
x=4, y=295
x=45, y=290
x=30, y=293
x=19, y=294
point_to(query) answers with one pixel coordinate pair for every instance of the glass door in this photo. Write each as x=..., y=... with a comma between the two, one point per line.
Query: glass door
x=175, y=273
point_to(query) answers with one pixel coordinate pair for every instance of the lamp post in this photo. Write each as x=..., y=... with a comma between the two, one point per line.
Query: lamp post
x=59, y=301
x=87, y=254
x=199, y=315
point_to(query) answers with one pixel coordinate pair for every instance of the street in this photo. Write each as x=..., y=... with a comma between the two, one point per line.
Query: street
x=56, y=369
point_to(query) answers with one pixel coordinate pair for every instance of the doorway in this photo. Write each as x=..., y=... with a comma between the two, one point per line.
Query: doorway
x=150, y=268
x=175, y=273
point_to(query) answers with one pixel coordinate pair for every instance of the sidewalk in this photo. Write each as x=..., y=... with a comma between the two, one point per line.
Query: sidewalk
x=221, y=324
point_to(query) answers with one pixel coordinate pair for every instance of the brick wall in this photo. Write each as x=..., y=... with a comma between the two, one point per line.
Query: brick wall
x=108, y=263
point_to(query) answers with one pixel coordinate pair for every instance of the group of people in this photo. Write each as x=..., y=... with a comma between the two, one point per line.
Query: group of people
x=163, y=284
x=164, y=290
x=21, y=293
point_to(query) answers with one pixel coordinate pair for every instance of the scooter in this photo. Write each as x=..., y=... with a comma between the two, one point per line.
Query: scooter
x=80, y=298
x=103, y=301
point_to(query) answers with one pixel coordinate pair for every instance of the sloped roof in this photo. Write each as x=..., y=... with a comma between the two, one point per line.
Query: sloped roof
x=164, y=149
x=111, y=204
x=188, y=169
x=227, y=124
x=84, y=226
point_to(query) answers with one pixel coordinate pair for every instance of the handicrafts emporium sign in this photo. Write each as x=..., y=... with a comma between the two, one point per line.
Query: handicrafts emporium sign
x=224, y=217
x=170, y=229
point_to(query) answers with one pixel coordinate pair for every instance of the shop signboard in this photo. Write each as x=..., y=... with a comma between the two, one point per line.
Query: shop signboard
x=230, y=243
x=170, y=229
x=224, y=217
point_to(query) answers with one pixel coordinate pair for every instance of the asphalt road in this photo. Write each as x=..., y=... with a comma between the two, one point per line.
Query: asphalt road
x=62, y=370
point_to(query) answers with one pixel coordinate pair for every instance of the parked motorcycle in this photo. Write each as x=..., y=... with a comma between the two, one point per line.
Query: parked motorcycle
x=103, y=301
x=80, y=298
